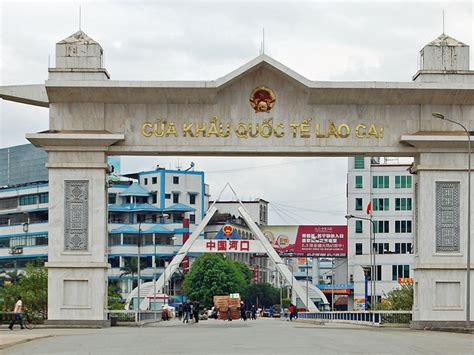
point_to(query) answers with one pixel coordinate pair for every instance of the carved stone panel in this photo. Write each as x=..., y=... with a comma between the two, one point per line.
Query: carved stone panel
x=76, y=215
x=447, y=216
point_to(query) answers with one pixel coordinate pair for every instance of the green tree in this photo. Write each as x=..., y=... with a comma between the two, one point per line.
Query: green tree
x=263, y=295
x=212, y=275
x=246, y=272
x=114, y=298
x=398, y=299
x=32, y=287
x=130, y=267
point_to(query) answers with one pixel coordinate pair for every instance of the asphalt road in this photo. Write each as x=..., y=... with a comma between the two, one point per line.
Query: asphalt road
x=263, y=336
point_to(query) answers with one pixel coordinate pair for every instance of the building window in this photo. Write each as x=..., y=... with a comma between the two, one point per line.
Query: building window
x=379, y=273
x=380, y=204
x=167, y=196
x=178, y=217
x=154, y=197
x=43, y=198
x=403, y=248
x=114, y=261
x=381, y=248
x=145, y=181
x=130, y=239
x=403, y=182
x=175, y=197
x=192, y=199
x=381, y=227
x=358, y=204
x=380, y=182
x=400, y=271
x=358, y=225
x=403, y=204
x=402, y=226
x=176, y=180
x=112, y=198
x=115, y=239
x=358, y=182
x=359, y=162
x=8, y=203
x=192, y=218
x=358, y=248
x=154, y=180
x=28, y=200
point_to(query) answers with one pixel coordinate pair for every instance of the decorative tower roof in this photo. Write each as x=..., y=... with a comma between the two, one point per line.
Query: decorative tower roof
x=445, y=40
x=442, y=58
x=78, y=38
x=79, y=57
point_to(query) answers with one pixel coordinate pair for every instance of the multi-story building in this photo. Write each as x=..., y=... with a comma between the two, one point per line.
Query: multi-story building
x=153, y=212
x=389, y=187
x=22, y=164
x=148, y=216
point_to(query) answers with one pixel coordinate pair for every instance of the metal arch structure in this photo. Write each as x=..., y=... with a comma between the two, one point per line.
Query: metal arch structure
x=147, y=289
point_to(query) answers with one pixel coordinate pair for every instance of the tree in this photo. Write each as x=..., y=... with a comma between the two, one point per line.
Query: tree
x=32, y=287
x=398, y=299
x=114, y=298
x=130, y=267
x=211, y=275
x=244, y=269
x=263, y=295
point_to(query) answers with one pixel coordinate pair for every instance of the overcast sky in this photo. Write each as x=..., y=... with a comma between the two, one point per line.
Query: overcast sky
x=153, y=40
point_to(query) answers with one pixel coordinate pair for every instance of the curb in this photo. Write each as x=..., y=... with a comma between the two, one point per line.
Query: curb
x=18, y=342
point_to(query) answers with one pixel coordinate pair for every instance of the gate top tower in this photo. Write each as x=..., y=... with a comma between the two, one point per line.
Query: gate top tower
x=79, y=57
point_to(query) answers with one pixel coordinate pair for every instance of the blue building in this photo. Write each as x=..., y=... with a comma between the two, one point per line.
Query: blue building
x=148, y=215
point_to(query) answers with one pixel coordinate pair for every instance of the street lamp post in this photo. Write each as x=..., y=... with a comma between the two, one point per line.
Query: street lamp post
x=366, y=285
x=468, y=254
x=373, y=274
x=139, y=260
x=138, y=263
x=307, y=281
x=332, y=288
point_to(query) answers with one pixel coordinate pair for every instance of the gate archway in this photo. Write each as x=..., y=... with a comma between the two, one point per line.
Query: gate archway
x=262, y=108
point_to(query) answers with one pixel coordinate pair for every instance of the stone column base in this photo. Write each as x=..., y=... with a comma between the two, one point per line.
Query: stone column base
x=83, y=323
x=437, y=325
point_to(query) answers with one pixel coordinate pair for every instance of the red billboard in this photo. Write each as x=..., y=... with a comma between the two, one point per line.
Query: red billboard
x=330, y=241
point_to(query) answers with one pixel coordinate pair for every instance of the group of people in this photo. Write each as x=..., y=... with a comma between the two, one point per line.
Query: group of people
x=244, y=311
x=189, y=310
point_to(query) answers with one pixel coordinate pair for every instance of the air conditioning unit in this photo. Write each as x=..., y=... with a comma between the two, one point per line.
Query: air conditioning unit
x=16, y=250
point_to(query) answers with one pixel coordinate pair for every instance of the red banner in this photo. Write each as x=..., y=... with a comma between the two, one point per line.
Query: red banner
x=185, y=262
x=330, y=241
x=255, y=274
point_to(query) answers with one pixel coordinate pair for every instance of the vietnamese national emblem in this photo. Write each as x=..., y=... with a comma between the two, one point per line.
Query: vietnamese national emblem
x=262, y=99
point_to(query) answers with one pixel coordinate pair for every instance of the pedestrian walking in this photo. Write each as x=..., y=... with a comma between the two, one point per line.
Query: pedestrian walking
x=292, y=311
x=196, y=311
x=17, y=317
x=254, y=312
x=187, y=311
x=180, y=311
x=242, y=311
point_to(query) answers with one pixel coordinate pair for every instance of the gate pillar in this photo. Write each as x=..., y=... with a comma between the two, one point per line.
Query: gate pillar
x=441, y=240
x=77, y=264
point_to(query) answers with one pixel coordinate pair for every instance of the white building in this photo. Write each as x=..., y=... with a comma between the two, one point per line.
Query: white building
x=390, y=188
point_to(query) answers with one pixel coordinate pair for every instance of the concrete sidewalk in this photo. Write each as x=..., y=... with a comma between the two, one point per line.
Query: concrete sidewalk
x=16, y=336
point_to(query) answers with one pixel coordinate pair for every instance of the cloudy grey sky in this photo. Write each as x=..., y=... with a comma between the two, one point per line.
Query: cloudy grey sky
x=196, y=40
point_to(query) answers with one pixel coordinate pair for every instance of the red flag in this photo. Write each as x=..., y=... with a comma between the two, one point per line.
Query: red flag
x=369, y=208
